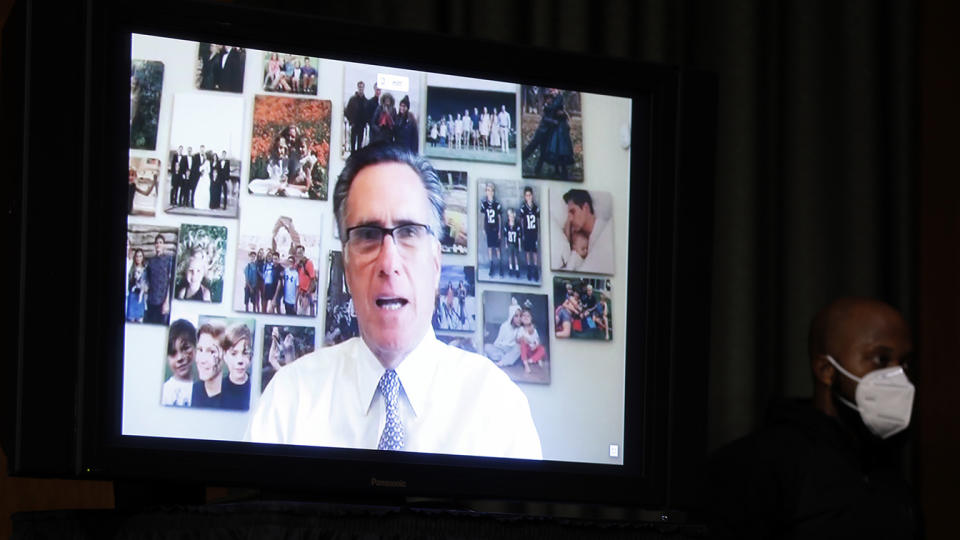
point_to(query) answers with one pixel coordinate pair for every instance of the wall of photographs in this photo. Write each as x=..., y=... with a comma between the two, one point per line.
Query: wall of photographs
x=233, y=158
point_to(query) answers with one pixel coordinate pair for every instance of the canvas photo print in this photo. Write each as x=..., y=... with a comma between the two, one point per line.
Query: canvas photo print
x=282, y=345
x=203, y=171
x=467, y=343
x=151, y=262
x=516, y=334
x=456, y=225
x=456, y=304
x=220, y=67
x=290, y=147
x=551, y=129
x=143, y=178
x=508, y=232
x=581, y=231
x=341, y=317
x=146, y=89
x=582, y=308
x=381, y=104
x=208, y=363
x=474, y=124
x=201, y=259
x=290, y=73
x=277, y=267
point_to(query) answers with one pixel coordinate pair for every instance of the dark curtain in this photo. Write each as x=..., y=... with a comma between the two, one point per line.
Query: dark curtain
x=815, y=158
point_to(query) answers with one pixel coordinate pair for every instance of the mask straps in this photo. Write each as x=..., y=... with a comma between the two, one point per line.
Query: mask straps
x=849, y=375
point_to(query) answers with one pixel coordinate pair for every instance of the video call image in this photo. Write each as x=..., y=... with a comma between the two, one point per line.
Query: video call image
x=235, y=261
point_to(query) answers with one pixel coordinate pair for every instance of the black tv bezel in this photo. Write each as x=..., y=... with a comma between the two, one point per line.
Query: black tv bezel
x=102, y=453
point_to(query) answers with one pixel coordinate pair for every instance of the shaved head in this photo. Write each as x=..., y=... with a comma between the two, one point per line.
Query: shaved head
x=861, y=334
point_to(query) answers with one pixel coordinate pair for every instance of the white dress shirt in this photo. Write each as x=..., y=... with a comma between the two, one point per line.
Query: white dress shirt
x=451, y=402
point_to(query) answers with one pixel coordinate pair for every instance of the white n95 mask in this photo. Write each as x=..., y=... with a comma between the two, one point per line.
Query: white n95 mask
x=884, y=399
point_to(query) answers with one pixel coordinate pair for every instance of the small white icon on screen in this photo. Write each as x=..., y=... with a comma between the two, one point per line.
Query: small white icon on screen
x=614, y=450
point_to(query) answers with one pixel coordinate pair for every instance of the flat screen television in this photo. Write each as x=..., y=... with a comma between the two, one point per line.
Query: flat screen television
x=153, y=315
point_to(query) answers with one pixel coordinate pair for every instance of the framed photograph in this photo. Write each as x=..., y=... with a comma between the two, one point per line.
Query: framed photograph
x=467, y=343
x=220, y=68
x=456, y=235
x=581, y=231
x=456, y=305
x=582, y=308
x=208, y=363
x=201, y=259
x=381, y=104
x=290, y=73
x=283, y=345
x=290, y=147
x=516, y=334
x=151, y=252
x=508, y=232
x=277, y=269
x=146, y=88
x=341, y=323
x=471, y=119
x=204, y=166
x=143, y=179
x=552, y=132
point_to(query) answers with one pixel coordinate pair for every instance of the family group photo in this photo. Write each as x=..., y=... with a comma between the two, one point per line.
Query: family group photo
x=380, y=106
x=469, y=124
x=582, y=308
x=289, y=73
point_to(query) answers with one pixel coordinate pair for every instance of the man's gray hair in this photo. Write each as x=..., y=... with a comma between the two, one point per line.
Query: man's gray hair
x=388, y=153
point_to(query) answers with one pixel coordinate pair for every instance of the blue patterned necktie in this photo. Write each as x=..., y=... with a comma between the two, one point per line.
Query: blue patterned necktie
x=392, y=436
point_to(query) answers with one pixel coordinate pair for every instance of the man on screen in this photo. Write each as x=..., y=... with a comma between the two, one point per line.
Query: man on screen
x=396, y=387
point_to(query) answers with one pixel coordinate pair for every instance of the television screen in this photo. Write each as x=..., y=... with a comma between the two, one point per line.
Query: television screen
x=254, y=315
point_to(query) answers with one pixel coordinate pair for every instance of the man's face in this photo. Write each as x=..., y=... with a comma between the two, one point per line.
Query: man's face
x=393, y=292
x=180, y=150
x=403, y=107
x=208, y=357
x=190, y=150
x=182, y=358
x=359, y=88
x=158, y=245
x=489, y=192
x=237, y=359
x=202, y=150
x=871, y=337
x=577, y=215
x=528, y=196
x=300, y=256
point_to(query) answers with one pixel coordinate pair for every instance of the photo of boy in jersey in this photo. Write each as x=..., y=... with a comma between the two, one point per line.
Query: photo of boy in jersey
x=509, y=223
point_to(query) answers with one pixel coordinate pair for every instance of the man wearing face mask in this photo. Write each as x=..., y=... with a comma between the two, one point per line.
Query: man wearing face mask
x=828, y=467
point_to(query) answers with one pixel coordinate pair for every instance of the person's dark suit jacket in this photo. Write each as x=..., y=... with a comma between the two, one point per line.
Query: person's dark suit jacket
x=231, y=72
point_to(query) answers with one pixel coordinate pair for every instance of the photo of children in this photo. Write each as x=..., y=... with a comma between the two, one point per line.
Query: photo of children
x=146, y=88
x=208, y=363
x=388, y=115
x=508, y=239
x=516, y=334
x=552, y=133
x=582, y=308
x=290, y=147
x=290, y=73
x=283, y=345
x=471, y=124
x=341, y=322
x=581, y=231
x=150, y=267
x=142, y=179
x=220, y=67
x=201, y=258
x=455, y=237
x=456, y=305
x=466, y=343
x=203, y=170
x=276, y=270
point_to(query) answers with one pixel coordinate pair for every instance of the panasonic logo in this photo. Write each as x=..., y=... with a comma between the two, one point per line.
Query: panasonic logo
x=388, y=483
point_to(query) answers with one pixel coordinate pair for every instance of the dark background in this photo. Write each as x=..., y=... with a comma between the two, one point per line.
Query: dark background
x=835, y=175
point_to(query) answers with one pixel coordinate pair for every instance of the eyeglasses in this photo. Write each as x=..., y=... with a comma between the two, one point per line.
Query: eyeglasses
x=366, y=240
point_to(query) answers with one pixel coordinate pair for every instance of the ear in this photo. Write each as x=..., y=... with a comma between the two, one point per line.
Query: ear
x=823, y=370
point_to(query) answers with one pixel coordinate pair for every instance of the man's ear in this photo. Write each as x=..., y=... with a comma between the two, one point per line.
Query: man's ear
x=823, y=370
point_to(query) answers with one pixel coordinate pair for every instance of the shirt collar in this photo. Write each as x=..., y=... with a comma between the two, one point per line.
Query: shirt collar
x=415, y=372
